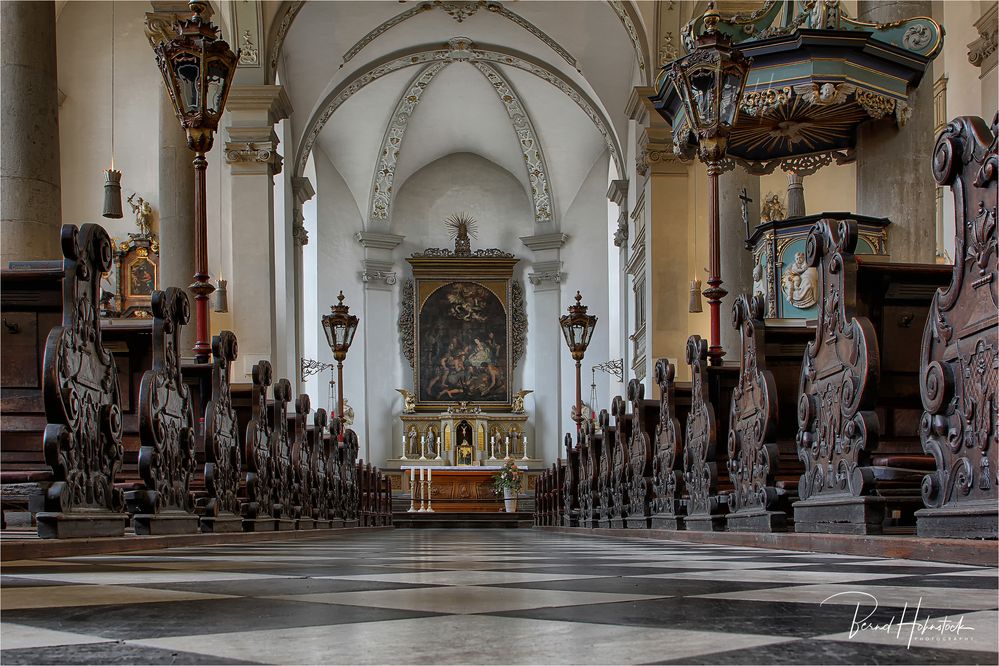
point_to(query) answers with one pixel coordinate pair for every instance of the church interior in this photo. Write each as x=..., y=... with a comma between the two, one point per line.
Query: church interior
x=499, y=331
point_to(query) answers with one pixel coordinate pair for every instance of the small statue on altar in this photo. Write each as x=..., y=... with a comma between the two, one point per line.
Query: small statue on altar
x=408, y=401
x=143, y=214
x=518, y=400
x=465, y=451
x=773, y=208
x=800, y=283
x=413, y=442
x=759, y=278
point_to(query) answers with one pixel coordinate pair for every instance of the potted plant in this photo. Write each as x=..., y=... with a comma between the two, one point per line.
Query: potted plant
x=507, y=482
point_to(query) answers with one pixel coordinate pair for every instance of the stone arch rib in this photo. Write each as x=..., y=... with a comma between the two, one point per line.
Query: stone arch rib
x=530, y=146
x=380, y=207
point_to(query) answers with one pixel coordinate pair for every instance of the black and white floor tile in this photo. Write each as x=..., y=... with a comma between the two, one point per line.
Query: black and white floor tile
x=494, y=597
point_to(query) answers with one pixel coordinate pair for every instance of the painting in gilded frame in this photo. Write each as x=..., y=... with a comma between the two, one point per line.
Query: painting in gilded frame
x=463, y=341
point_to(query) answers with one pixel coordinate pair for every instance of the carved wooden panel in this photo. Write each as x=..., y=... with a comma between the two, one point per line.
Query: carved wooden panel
x=620, y=471
x=83, y=435
x=837, y=426
x=605, y=466
x=301, y=461
x=959, y=361
x=349, y=491
x=223, y=457
x=166, y=417
x=571, y=484
x=639, y=455
x=667, y=483
x=588, y=474
x=282, y=489
x=259, y=456
x=700, y=471
x=752, y=451
x=321, y=484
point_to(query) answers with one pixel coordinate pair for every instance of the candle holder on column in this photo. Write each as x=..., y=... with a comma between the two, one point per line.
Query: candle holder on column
x=412, y=491
x=404, y=449
x=438, y=448
x=423, y=499
x=507, y=445
x=423, y=447
x=524, y=440
x=492, y=447
x=427, y=490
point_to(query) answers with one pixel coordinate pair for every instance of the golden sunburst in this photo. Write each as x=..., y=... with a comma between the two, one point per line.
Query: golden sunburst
x=462, y=225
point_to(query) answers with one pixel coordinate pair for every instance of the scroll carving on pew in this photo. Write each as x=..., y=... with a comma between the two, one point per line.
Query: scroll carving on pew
x=83, y=435
x=284, y=474
x=166, y=428
x=700, y=470
x=667, y=483
x=223, y=457
x=335, y=474
x=959, y=360
x=257, y=510
x=752, y=450
x=350, y=488
x=837, y=425
x=620, y=470
x=639, y=460
x=589, y=499
x=605, y=469
x=301, y=463
x=570, y=489
x=322, y=488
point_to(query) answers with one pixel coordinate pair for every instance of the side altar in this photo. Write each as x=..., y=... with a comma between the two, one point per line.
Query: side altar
x=463, y=325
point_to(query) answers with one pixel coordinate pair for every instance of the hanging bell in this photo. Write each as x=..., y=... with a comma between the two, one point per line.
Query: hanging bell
x=112, y=194
x=220, y=297
x=694, y=304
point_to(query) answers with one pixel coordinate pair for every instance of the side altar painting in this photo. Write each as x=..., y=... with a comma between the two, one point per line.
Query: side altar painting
x=463, y=324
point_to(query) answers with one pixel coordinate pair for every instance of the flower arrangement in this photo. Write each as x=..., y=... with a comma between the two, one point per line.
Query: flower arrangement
x=508, y=477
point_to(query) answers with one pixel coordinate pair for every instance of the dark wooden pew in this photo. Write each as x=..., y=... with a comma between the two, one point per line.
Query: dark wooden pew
x=959, y=359
x=605, y=460
x=644, y=416
x=571, y=483
x=858, y=411
x=667, y=463
x=219, y=510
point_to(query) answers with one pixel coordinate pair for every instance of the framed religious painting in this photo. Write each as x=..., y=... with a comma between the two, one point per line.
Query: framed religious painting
x=464, y=315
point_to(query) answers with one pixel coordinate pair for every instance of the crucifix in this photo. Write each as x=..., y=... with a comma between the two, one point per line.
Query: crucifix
x=744, y=198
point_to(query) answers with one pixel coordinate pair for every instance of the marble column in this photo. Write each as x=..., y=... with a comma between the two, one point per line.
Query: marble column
x=176, y=196
x=251, y=153
x=29, y=132
x=380, y=330
x=894, y=178
x=546, y=278
x=736, y=260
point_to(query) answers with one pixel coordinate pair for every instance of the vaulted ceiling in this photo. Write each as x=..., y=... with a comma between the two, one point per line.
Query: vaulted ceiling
x=385, y=88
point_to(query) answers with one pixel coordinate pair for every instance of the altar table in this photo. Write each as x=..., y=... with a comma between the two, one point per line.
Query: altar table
x=461, y=489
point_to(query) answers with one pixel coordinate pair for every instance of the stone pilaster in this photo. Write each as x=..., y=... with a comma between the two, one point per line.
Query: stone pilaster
x=546, y=277
x=251, y=153
x=302, y=191
x=894, y=179
x=31, y=205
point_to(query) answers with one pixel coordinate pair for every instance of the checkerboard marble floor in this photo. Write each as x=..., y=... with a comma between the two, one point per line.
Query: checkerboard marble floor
x=493, y=597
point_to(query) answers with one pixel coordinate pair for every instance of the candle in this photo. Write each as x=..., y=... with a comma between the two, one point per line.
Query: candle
x=430, y=474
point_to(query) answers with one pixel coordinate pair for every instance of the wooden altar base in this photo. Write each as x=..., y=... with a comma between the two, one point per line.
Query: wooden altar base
x=463, y=520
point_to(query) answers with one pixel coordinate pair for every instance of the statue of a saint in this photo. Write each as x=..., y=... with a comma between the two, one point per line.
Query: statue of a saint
x=143, y=214
x=800, y=283
x=760, y=278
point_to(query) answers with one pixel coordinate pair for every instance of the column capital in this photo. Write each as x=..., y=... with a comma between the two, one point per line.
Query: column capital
x=546, y=275
x=378, y=275
x=639, y=107
x=252, y=151
x=982, y=51
x=618, y=192
x=540, y=242
x=655, y=152
x=302, y=189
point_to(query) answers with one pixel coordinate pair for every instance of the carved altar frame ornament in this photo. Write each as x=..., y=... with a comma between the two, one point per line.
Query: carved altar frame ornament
x=959, y=359
x=700, y=471
x=83, y=433
x=837, y=424
x=752, y=427
x=223, y=457
x=666, y=481
x=166, y=427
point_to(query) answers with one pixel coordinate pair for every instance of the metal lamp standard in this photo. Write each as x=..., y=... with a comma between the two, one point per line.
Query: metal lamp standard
x=198, y=68
x=710, y=81
x=340, y=327
x=577, y=328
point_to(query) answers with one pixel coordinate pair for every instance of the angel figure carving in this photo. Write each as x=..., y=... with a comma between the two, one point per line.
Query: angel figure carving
x=825, y=94
x=518, y=400
x=408, y=401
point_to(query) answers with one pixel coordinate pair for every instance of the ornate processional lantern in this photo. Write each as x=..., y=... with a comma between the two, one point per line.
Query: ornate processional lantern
x=198, y=68
x=577, y=328
x=340, y=327
x=709, y=82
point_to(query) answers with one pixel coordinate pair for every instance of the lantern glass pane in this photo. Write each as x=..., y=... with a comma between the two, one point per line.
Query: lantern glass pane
x=350, y=332
x=578, y=332
x=328, y=328
x=216, y=83
x=565, y=334
x=188, y=74
x=730, y=98
x=703, y=92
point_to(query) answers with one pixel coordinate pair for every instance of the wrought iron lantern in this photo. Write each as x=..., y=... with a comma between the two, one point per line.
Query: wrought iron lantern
x=198, y=68
x=340, y=327
x=577, y=328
